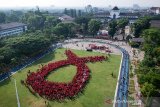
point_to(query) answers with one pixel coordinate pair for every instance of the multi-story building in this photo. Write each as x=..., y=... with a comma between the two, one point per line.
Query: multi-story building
x=13, y=28
x=116, y=13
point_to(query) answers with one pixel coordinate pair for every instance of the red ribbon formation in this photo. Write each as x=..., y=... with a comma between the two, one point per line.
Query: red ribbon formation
x=58, y=90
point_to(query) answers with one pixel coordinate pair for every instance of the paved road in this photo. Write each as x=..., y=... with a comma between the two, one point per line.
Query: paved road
x=121, y=94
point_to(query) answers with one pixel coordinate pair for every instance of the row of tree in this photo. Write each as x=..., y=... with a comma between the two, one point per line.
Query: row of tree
x=43, y=30
x=140, y=25
x=16, y=50
x=50, y=25
x=149, y=69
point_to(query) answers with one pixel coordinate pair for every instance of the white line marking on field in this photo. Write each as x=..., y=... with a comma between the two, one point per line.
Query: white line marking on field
x=18, y=103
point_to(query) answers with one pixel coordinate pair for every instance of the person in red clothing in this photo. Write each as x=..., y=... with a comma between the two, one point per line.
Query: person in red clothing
x=59, y=91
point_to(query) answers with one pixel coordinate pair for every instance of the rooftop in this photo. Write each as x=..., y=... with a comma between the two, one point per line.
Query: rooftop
x=66, y=17
x=137, y=40
x=155, y=23
x=154, y=8
x=11, y=25
x=129, y=14
x=115, y=8
x=101, y=14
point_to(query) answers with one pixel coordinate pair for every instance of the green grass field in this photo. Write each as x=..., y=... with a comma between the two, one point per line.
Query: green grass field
x=100, y=87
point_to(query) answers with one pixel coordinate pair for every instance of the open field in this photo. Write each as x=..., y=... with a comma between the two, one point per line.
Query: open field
x=101, y=86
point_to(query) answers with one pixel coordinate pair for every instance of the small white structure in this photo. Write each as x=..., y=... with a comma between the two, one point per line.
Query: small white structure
x=127, y=30
x=66, y=18
x=13, y=28
x=103, y=32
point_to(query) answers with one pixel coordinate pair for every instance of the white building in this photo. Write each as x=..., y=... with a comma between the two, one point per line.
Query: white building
x=66, y=18
x=155, y=10
x=13, y=28
x=114, y=14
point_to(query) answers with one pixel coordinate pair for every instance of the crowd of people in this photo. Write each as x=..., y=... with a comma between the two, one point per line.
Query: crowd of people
x=102, y=48
x=93, y=46
x=59, y=90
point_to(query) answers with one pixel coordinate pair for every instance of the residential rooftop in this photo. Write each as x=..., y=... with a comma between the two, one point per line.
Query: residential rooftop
x=11, y=25
x=115, y=8
x=155, y=23
x=137, y=40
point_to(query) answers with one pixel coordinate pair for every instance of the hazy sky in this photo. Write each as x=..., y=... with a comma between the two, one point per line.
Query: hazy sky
x=79, y=3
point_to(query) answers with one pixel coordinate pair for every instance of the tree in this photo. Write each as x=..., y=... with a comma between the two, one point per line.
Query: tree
x=112, y=28
x=17, y=49
x=140, y=25
x=83, y=22
x=149, y=67
x=7, y=53
x=37, y=11
x=36, y=22
x=12, y=18
x=151, y=47
x=2, y=17
x=72, y=28
x=148, y=90
x=61, y=29
x=50, y=21
x=27, y=15
x=65, y=29
x=121, y=25
x=93, y=26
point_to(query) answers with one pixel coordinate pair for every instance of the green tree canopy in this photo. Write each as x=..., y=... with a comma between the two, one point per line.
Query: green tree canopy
x=148, y=90
x=93, y=26
x=2, y=17
x=112, y=28
x=83, y=22
x=65, y=29
x=122, y=23
x=149, y=68
x=140, y=25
